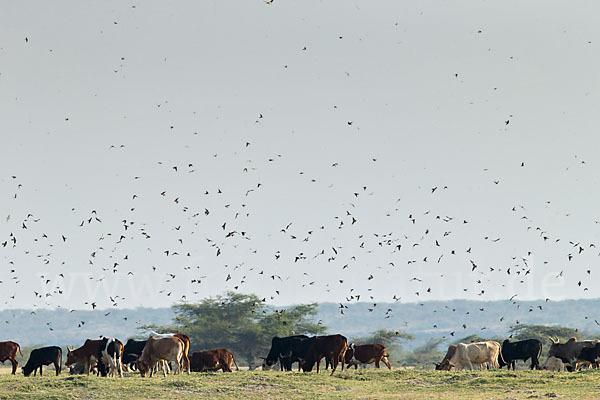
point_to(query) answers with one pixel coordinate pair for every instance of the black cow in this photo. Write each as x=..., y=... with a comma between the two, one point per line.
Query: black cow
x=522, y=350
x=287, y=350
x=43, y=356
x=132, y=350
x=590, y=354
x=109, y=356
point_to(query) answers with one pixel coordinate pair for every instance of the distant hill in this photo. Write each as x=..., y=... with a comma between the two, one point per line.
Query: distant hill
x=62, y=327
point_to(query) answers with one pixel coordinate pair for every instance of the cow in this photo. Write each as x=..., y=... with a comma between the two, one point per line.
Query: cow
x=167, y=349
x=43, y=356
x=522, y=350
x=590, y=354
x=366, y=354
x=554, y=364
x=86, y=354
x=476, y=353
x=110, y=353
x=332, y=347
x=286, y=350
x=8, y=351
x=569, y=351
x=132, y=350
x=212, y=360
x=80, y=369
x=186, y=341
x=444, y=365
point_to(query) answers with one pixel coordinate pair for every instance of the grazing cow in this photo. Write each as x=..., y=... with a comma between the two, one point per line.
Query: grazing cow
x=569, y=351
x=332, y=347
x=167, y=349
x=186, y=341
x=8, y=351
x=366, y=354
x=212, y=360
x=86, y=354
x=132, y=350
x=476, y=353
x=43, y=356
x=522, y=350
x=444, y=365
x=554, y=364
x=286, y=350
x=80, y=369
x=110, y=353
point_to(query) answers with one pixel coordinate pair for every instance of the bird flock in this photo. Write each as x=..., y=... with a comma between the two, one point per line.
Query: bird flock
x=197, y=213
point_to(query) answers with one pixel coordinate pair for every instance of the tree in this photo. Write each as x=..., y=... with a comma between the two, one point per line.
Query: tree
x=426, y=355
x=543, y=333
x=470, y=339
x=242, y=323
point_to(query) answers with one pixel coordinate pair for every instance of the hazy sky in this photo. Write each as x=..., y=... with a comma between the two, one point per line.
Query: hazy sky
x=335, y=119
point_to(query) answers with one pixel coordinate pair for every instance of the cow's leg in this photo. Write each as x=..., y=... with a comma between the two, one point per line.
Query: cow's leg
x=164, y=364
x=470, y=365
x=41, y=366
x=334, y=362
x=56, y=367
x=35, y=371
x=88, y=365
x=318, y=365
x=377, y=363
x=15, y=364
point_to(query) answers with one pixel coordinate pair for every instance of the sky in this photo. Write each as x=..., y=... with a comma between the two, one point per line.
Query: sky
x=306, y=151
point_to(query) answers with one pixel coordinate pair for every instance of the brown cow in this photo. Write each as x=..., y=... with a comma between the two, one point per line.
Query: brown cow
x=444, y=365
x=213, y=360
x=332, y=347
x=86, y=354
x=8, y=351
x=366, y=354
x=167, y=349
x=185, y=360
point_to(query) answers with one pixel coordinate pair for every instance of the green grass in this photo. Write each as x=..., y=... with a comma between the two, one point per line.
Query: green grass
x=371, y=384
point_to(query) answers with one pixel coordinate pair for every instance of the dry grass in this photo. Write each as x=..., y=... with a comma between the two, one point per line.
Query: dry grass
x=365, y=384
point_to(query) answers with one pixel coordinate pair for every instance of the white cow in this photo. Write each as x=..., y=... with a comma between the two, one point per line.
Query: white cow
x=161, y=335
x=476, y=353
x=554, y=364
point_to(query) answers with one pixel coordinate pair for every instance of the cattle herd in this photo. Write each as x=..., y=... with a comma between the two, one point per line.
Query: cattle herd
x=571, y=355
x=109, y=357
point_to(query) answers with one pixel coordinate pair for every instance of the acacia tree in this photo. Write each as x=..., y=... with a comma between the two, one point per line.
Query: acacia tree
x=544, y=333
x=242, y=323
x=426, y=355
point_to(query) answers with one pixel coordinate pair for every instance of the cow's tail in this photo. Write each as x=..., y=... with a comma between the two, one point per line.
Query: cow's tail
x=234, y=363
x=539, y=354
x=19, y=348
x=500, y=357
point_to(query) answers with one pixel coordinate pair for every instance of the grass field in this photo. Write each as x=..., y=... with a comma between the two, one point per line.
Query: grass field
x=362, y=384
